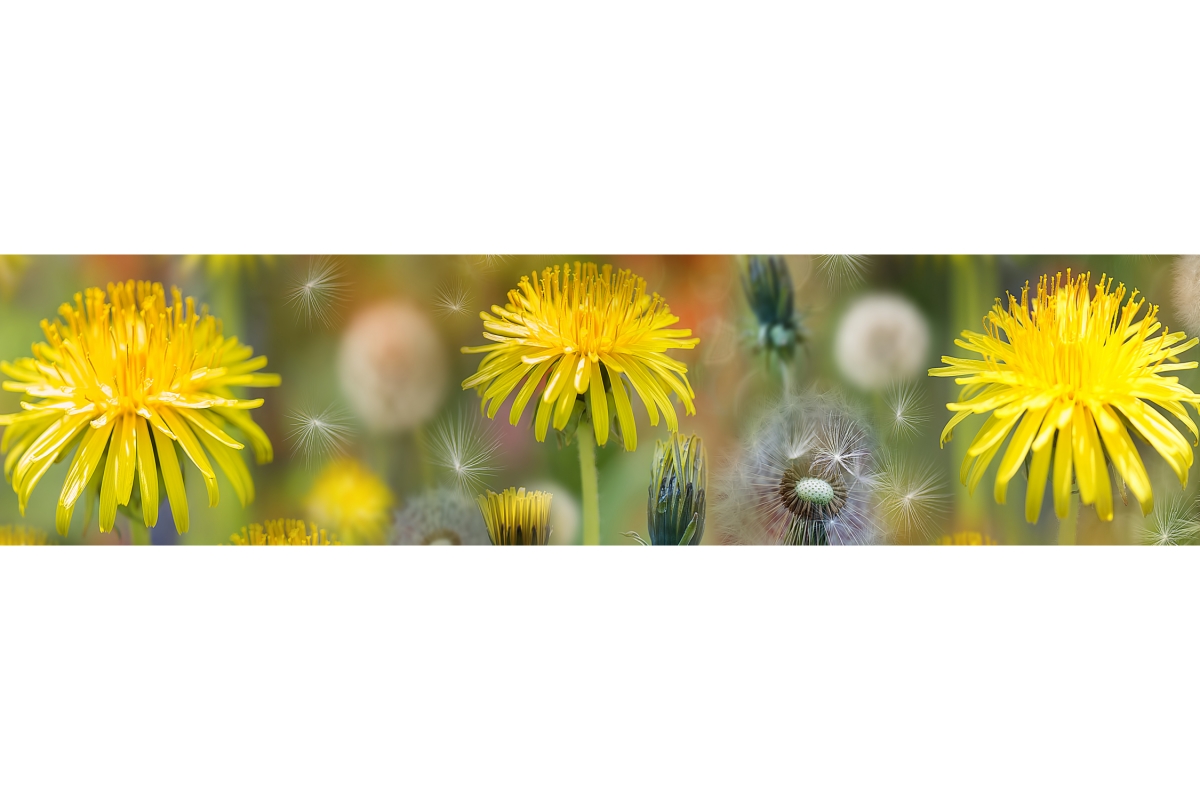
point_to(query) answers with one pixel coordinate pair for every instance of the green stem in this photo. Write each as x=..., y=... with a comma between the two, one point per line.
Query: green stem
x=590, y=483
x=1068, y=525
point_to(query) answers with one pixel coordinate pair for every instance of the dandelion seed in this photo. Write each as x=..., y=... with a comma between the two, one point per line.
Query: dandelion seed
x=842, y=270
x=317, y=295
x=906, y=410
x=1173, y=522
x=911, y=497
x=466, y=446
x=318, y=435
x=453, y=299
x=487, y=263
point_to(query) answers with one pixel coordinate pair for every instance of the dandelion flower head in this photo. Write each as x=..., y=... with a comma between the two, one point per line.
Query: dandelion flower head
x=351, y=500
x=1071, y=374
x=517, y=517
x=18, y=535
x=282, y=532
x=134, y=385
x=587, y=330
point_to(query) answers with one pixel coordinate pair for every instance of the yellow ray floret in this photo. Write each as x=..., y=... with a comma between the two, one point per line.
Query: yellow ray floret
x=517, y=517
x=1071, y=375
x=586, y=330
x=126, y=379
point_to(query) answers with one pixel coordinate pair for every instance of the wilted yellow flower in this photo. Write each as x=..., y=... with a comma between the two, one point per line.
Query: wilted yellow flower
x=516, y=516
x=351, y=500
x=1073, y=373
x=586, y=330
x=13, y=535
x=282, y=532
x=965, y=538
x=133, y=377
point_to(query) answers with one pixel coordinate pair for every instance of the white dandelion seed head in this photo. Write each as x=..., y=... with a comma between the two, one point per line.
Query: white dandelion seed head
x=465, y=444
x=318, y=435
x=842, y=271
x=317, y=295
x=912, y=498
x=441, y=516
x=907, y=410
x=803, y=443
x=1187, y=292
x=392, y=367
x=1173, y=522
x=882, y=339
x=453, y=299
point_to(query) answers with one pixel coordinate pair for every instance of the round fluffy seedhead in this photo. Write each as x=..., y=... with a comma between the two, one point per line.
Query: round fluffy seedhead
x=881, y=339
x=439, y=516
x=807, y=475
x=392, y=367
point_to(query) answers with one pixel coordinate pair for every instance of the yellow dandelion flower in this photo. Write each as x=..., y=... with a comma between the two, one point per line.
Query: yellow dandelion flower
x=1070, y=375
x=134, y=377
x=586, y=330
x=353, y=501
x=13, y=535
x=516, y=516
x=283, y=532
x=966, y=538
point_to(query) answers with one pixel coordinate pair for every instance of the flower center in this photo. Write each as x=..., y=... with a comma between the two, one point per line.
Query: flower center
x=814, y=497
x=815, y=491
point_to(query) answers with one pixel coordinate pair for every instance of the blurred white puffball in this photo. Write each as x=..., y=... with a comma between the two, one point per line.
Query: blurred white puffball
x=882, y=339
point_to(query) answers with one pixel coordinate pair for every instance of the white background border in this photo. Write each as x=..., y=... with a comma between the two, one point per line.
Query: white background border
x=622, y=127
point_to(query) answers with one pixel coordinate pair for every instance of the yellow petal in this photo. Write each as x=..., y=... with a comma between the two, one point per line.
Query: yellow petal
x=1039, y=470
x=147, y=472
x=191, y=447
x=598, y=404
x=172, y=479
x=1031, y=423
x=624, y=411
x=1063, y=452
